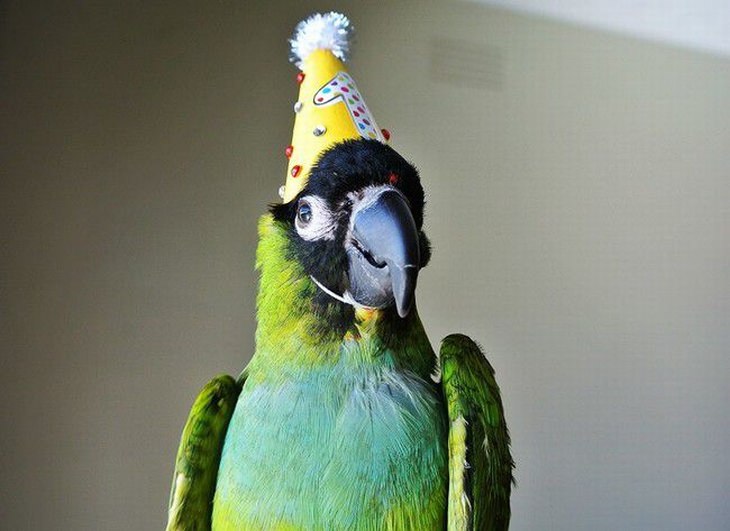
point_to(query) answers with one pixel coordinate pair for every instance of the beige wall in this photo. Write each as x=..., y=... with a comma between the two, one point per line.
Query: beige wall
x=578, y=203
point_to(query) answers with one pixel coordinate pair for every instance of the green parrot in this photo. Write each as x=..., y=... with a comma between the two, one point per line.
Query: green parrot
x=345, y=417
x=336, y=422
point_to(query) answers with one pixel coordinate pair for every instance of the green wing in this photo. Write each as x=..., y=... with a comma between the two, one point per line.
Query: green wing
x=480, y=464
x=196, y=466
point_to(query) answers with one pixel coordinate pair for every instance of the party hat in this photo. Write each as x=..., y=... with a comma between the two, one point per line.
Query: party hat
x=330, y=108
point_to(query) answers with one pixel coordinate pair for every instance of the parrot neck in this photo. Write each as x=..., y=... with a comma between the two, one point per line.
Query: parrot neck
x=291, y=335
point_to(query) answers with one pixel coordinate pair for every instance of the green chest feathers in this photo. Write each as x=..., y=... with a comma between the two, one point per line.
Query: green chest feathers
x=355, y=449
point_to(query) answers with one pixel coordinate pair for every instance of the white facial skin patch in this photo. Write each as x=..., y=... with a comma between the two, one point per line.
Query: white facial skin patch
x=321, y=224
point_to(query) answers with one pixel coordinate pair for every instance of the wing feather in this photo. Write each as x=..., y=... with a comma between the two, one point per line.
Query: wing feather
x=198, y=457
x=480, y=463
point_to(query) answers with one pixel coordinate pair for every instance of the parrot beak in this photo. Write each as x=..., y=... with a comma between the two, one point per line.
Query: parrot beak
x=383, y=251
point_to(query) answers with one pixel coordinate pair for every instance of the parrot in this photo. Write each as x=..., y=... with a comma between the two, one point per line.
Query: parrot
x=345, y=417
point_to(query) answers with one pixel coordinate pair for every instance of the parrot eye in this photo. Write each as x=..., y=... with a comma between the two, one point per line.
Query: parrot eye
x=314, y=220
x=304, y=213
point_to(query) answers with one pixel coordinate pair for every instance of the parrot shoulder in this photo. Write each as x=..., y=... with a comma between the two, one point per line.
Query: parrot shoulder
x=198, y=456
x=480, y=463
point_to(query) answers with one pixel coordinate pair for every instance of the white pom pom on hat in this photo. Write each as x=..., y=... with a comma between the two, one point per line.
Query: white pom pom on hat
x=321, y=31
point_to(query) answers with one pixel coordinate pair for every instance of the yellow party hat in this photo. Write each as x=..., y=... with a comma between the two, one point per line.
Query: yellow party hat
x=330, y=109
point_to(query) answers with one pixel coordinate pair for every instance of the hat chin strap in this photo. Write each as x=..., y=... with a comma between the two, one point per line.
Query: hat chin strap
x=346, y=297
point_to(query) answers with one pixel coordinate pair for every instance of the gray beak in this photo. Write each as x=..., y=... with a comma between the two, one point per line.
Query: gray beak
x=384, y=255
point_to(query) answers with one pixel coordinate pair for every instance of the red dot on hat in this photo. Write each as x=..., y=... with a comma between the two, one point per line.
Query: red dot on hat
x=288, y=151
x=296, y=170
x=393, y=178
x=386, y=134
x=300, y=77
x=320, y=98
